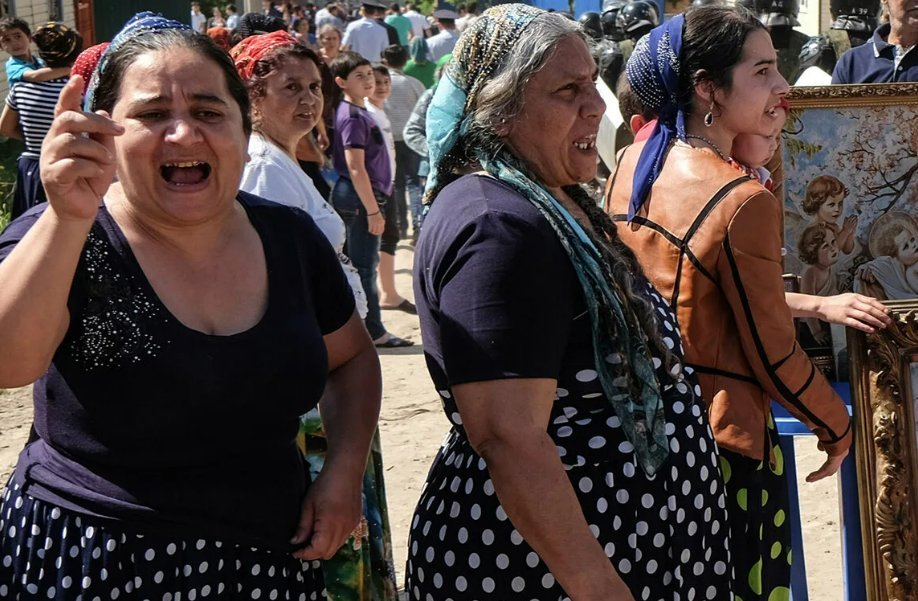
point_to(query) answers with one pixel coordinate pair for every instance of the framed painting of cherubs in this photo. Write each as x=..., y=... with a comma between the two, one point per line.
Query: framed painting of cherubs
x=850, y=160
x=884, y=383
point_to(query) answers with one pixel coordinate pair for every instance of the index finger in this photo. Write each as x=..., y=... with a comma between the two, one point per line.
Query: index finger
x=71, y=124
x=71, y=98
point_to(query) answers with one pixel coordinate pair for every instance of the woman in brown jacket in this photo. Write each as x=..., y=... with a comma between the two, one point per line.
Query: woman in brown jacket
x=709, y=238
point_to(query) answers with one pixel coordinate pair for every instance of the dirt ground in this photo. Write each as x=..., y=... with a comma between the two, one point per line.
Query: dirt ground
x=413, y=426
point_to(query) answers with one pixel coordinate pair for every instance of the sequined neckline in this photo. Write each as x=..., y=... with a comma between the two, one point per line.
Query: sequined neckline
x=107, y=221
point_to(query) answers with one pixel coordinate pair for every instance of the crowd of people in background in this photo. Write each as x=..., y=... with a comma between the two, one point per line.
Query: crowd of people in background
x=209, y=209
x=402, y=48
x=399, y=51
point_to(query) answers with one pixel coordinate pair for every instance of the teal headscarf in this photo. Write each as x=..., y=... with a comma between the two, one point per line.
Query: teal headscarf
x=419, y=51
x=622, y=359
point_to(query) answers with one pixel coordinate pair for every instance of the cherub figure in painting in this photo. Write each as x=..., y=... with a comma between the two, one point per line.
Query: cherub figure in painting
x=824, y=199
x=893, y=274
x=818, y=249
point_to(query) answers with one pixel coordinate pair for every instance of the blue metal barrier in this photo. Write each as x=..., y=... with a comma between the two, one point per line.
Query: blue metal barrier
x=849, y=510
x=558, y=5
x=582, y=6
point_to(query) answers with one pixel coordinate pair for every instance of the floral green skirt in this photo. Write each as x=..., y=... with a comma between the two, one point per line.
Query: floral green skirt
x=757, y=508
x=363, y=569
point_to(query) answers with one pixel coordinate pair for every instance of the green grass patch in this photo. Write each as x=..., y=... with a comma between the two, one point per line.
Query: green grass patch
x=9, y=152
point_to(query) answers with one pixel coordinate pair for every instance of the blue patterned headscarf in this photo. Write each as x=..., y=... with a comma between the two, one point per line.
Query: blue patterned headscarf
x=139, y=24
x=653, y=72
x=483, y=46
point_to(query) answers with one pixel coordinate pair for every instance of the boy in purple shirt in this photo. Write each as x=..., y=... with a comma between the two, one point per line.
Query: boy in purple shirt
x=364, y=182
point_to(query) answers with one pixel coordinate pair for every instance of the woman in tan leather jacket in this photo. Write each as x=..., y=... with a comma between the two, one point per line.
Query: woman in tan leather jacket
x=709, y=238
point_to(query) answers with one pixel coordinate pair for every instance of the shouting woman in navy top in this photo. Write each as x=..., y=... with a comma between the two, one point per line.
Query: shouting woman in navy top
x=177, y=329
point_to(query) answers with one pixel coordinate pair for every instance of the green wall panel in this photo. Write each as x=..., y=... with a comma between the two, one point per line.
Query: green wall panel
x=110, y=15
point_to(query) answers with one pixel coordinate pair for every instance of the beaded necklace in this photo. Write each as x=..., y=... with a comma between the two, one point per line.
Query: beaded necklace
x=714, y=146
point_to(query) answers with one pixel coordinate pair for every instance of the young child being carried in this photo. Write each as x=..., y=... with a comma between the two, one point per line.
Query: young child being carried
x=751, y=152
x=16, y=40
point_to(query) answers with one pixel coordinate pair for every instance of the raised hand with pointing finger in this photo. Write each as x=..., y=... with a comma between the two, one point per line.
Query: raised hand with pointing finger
x=77, y=157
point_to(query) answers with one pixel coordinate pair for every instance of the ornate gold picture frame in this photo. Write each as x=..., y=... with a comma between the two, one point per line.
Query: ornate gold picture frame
x=884, y=385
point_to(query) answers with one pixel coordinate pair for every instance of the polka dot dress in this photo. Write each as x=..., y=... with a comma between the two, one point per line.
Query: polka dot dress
x=758, y=506
x=667, y=536
x=50, y=553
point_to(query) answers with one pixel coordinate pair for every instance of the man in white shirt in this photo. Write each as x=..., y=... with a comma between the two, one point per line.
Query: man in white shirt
x=329, y=16
x=366, y=36
x=443, y=43
x=418, y=21
x=198, y=20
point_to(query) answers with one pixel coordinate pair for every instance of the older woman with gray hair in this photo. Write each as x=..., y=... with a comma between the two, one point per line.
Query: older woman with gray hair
x=580, y=464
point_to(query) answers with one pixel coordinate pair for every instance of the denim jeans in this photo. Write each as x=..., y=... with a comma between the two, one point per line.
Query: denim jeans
x=361, y=247
x=407, y=162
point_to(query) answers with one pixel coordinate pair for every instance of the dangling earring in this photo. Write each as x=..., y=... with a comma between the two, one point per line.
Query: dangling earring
x=709, y=116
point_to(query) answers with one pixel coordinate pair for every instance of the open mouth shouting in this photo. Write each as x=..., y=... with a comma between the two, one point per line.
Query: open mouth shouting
x=775, y=112
x=586, y=144
x=185, y=174
x=778, y=111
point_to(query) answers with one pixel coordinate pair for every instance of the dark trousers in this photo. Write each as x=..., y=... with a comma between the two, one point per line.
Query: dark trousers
x=390, y=236
x=361, y=247
x=406, y=180
x=29, y=191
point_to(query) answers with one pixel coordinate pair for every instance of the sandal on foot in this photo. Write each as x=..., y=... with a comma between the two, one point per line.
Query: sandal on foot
x=393, y=342
x=406, y=305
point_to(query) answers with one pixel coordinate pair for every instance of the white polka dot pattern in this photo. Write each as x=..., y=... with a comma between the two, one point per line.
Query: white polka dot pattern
x=664, y=535
x=99, y=560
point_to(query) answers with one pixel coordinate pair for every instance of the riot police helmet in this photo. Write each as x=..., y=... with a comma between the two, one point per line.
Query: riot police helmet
x=637, y=18
x=854, y=15
x=611, y=62
x=591, y=25
x=780, y=13
x=608, y=19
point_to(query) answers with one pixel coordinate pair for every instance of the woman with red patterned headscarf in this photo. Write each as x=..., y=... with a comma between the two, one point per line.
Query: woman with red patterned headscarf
x=221, y=36
x=285, y=89
x=86, y=63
